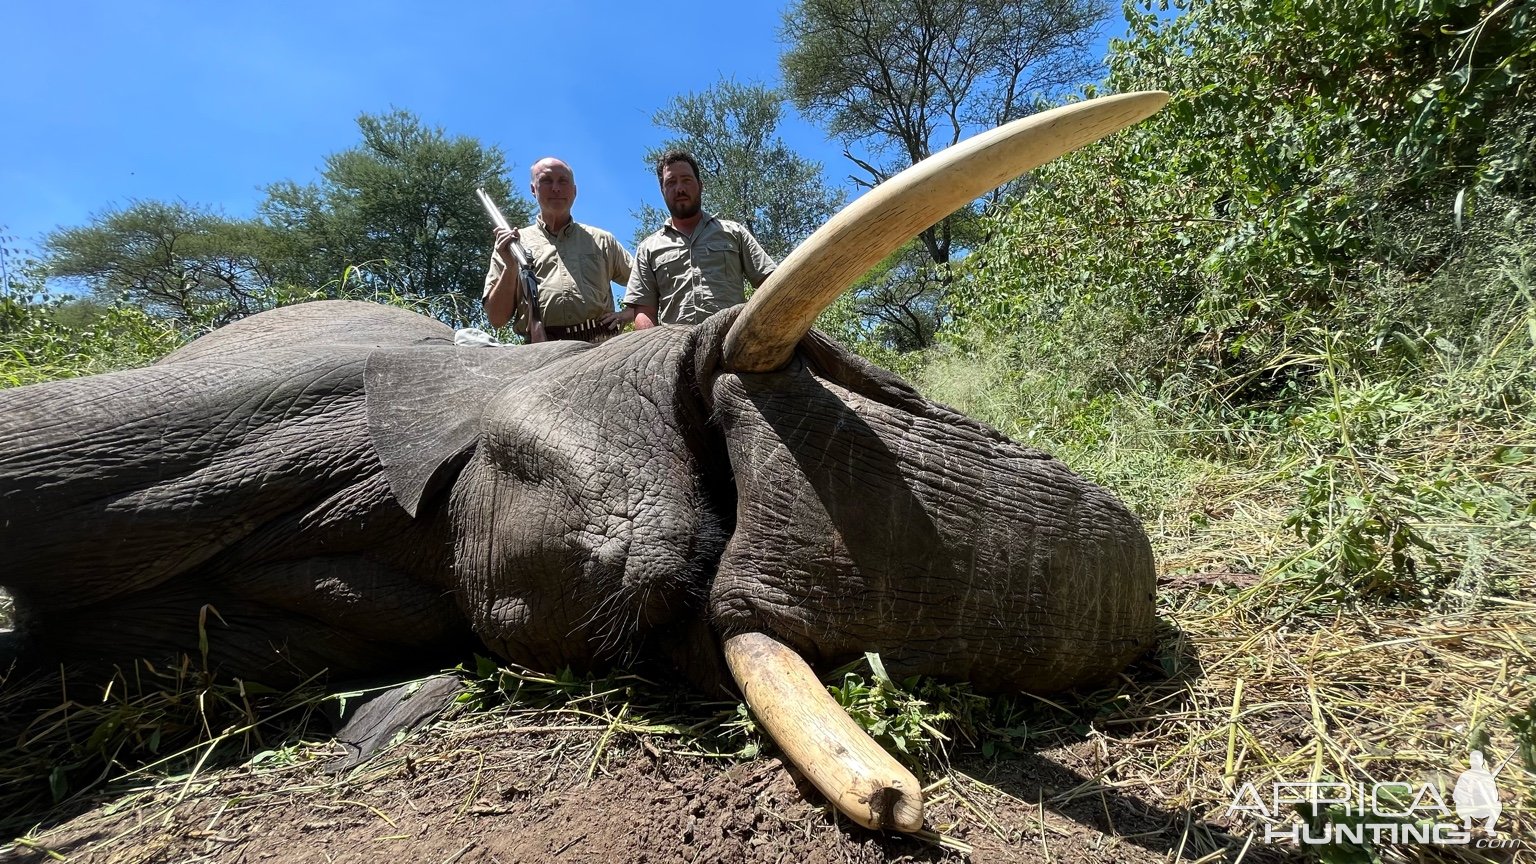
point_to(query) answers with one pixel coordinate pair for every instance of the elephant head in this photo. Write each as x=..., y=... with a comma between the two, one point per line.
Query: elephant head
x=337, y=486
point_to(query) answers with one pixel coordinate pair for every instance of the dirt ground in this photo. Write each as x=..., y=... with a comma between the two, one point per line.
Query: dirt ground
x=499, y=790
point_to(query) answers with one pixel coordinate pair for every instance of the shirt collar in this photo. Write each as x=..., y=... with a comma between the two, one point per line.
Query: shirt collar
x=697, y=229
x=539, y=220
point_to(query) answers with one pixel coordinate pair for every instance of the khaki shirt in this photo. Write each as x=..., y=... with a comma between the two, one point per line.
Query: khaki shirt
x=688, y=278
x=575, y=266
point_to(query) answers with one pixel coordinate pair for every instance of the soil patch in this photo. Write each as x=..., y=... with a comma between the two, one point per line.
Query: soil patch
x=490, y=789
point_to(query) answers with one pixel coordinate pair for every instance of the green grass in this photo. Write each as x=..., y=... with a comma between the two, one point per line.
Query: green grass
x=1348, y=566
x=1128, y=443
x=145, y=724
x=1404, y=467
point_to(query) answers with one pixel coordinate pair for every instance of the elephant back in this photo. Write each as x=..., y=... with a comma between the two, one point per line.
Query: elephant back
x=325, y=322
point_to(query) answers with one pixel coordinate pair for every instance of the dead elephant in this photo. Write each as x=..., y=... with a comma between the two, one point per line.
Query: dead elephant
x=350, y=491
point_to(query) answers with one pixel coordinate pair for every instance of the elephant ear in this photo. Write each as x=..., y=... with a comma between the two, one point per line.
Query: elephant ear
x=424, y=407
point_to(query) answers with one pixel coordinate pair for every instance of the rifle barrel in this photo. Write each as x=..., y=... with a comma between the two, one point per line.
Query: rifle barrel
x=500, y=221
x=492, y=210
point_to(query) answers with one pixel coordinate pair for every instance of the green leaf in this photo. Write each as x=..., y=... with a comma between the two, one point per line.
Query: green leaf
x=58, y=783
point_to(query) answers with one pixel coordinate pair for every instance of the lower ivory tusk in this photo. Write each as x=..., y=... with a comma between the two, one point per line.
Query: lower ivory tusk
x=819, y=738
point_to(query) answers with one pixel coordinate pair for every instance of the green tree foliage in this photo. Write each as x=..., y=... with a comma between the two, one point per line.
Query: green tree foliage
x=892, y=309
x=908, y=78
x=16, y=262
x=1318, y=163
x=898, y=80
x=183, y=262
x=1320, y=249
x=751, y=175
x=397, y=214
x=43, y=338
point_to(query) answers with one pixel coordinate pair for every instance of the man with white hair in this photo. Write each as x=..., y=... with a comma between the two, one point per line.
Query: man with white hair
x=575, y=265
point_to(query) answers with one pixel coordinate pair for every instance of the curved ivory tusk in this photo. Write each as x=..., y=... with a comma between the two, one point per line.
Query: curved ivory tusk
x=819, y=737
x=861, y=234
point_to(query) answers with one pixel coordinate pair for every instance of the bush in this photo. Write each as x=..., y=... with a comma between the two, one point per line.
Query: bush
x=44, y=338
x=1316, y=166
x=1317, y=262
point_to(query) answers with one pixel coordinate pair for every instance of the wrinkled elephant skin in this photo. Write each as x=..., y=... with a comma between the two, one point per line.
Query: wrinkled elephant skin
x=351, y=492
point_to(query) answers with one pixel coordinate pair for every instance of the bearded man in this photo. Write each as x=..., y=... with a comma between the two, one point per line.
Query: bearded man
x=696, y=264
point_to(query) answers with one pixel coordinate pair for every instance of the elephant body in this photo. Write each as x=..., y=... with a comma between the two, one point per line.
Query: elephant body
x=336, y=486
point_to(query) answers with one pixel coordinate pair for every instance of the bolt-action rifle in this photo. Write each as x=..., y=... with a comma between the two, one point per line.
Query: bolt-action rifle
x=528, y=287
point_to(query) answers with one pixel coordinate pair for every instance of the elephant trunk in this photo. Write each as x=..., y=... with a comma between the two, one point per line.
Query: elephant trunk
x=819, y=738
x=782, y=311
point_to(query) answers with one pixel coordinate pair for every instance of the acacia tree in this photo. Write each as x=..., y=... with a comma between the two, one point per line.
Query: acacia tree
x=898, y=80
x=751, y=175
x=397, y=214
x=176, y=260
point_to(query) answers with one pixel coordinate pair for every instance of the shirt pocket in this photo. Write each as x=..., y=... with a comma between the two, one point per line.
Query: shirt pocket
x=672, y=267
x=716, y=258
x=590, y=272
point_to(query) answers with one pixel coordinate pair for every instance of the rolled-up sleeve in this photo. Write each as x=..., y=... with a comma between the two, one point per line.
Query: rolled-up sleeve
x=620, y=265
x=641, y=290
x=492, y=273
x=755, y=263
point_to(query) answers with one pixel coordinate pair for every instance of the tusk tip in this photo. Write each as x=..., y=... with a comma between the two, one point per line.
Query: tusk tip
x=895, y=804
x=1153, y=99
x=862, y=781
x=895, y=808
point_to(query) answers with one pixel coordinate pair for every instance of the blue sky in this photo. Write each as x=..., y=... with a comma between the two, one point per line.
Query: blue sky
x=102, y=103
